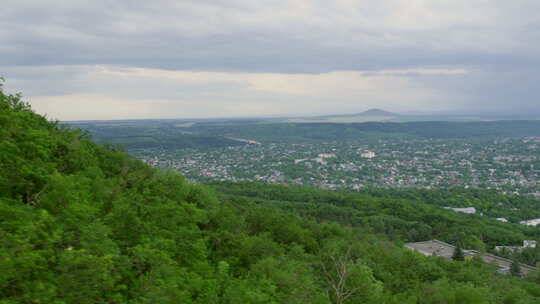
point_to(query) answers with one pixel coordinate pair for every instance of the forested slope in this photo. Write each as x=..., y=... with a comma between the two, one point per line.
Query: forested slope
x=82, y=223
x=400, y=215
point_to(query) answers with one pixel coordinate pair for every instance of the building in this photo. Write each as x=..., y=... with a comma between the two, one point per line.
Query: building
x=533, y=222
x=469, y=210
x=436, y=248
x=526, y=244
x=445, y=250
x=502, y=219
x=368, y=154
x=504, y=265
x=529, y=244
x=327, y=155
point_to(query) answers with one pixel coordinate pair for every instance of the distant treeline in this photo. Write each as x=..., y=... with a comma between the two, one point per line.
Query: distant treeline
x=491, y=203
x=301, y=132
x=167, y=134
x=161, y=135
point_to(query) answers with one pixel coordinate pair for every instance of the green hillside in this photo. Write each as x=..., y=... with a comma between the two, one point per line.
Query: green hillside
x=409, y=215
x=84, y=223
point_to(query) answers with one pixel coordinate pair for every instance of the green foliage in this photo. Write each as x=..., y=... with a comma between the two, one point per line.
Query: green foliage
x=348, y=279
x=404, y=218
x=488, y=202
x=515, y=268
x=458, y=254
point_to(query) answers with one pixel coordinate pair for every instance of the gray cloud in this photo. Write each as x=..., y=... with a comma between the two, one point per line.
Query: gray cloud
x=53, y=48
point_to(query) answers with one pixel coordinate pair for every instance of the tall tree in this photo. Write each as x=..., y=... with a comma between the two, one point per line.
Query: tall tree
x=348, y=279
x=458, y=254
x=515, y=268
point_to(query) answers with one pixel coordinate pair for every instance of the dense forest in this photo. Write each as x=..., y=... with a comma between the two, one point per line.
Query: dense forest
x=85, y=223
x=402, y=215
x=488, y=202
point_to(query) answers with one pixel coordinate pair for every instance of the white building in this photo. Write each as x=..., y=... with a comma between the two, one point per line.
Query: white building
x=526, y=244
x=502, y=219
x=533, y=222
x=529, y=244
x=469, y=210
x=368, y=154
x=327, y=155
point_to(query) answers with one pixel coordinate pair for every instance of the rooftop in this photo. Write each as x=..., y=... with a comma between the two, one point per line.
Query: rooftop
x=445, y=250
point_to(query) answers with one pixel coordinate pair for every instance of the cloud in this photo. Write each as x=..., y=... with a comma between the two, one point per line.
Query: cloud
x=434, y=55
x=292, y=36
x=105, y=92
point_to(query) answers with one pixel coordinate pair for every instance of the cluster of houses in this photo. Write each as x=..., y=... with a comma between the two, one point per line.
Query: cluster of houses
x=320, y=159
x=506, y=166
x=445, y=250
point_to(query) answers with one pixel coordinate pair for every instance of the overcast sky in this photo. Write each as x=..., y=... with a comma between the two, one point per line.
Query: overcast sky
x=121, y=59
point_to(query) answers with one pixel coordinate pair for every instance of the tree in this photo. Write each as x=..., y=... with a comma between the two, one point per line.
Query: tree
x=347, y=278
x=515, y=268
x=535, y=275
x=458, y=254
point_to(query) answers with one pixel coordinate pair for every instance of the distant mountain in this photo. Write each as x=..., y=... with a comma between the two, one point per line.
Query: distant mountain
x=379, y=115
x=369, y=115
x=376, y=112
